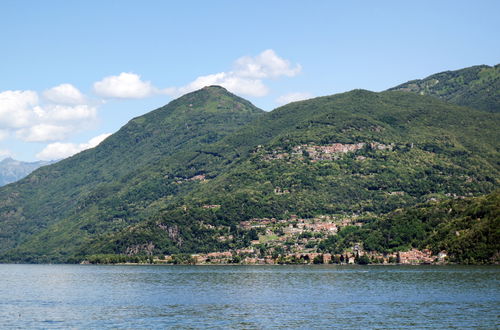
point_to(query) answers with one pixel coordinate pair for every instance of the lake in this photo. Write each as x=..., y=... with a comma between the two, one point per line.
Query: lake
x=250, y=297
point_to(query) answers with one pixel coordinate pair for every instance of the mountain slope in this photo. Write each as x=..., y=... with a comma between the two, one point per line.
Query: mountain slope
x=387, y=142
x=394, y=150
x=468, y=229
x=353, y=153
x=477, y=87
x=86, y=185
x=12, y=170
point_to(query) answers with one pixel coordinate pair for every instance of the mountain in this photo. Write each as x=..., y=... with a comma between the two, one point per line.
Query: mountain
x=356, y=155
x=12, y=170
x=477, y=87
x=113, y=185
x=190, y=176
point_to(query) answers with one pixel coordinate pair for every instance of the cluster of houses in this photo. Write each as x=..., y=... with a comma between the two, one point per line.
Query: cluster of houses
x=252, y=257
x=295, y=240
x=294, y=225
x=424, y=256
x=326, y=152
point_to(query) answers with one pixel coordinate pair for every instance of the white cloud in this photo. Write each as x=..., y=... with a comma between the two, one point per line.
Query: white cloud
x=60, y=150
x=125, y=85
x=293, y=97
x=228, y=80
x=64, y=94
x=247, y=76
x=16, y=108
x=57, y=122
x=60, y=113
x=95, y=141
x=265, y=65
x=21, y=112
x=43, y=133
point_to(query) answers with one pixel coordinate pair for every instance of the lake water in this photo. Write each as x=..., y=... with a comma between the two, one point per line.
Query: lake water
x=250, y=297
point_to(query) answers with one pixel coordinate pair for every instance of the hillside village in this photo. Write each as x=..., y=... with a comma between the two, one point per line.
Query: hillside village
x=325, y=152
x=297, y=241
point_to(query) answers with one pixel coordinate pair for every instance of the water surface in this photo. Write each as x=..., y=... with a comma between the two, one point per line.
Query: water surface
x=250, y=297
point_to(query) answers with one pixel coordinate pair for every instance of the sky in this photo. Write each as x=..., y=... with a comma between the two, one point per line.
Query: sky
x=74, y=72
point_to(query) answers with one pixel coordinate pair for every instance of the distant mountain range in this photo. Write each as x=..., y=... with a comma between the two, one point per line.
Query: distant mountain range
x=189, y=177
x=12, y=170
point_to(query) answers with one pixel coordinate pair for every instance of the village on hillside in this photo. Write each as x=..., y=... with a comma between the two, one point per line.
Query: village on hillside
x=295, y=241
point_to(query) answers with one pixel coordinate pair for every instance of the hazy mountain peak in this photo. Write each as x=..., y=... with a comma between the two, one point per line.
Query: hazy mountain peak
x=12, y=170
x=7, y=160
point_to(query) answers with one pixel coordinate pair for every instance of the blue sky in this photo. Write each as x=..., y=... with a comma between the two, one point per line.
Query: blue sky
x=74, y=71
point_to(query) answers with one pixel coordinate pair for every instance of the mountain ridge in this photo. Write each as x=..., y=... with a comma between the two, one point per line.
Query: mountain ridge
x=477, y=87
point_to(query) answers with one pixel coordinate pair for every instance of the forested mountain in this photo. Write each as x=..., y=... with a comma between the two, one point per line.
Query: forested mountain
x=12, y=170
x=180, y=178
x=358, y=153
x=477, y=87
x=110, y=185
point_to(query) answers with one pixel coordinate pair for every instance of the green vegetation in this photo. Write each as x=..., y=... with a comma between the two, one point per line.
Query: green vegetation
x=118, y=259
x=468, y=229
x=477, y=87
x=181, y=179
x=57, y=209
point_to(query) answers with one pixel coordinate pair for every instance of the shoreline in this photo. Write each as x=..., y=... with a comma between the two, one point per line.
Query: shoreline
x=241, y=265
x=279, y=265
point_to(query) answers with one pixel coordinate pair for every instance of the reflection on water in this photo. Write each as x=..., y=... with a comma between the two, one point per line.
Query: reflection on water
x=69, y=296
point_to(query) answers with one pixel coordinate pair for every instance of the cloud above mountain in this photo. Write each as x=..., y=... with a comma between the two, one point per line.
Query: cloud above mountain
x=247, y=77
x=17, y=108
x=23, y=113
x=59, y=150
x=64, y=94
x=126, y=85
x=265, y=65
